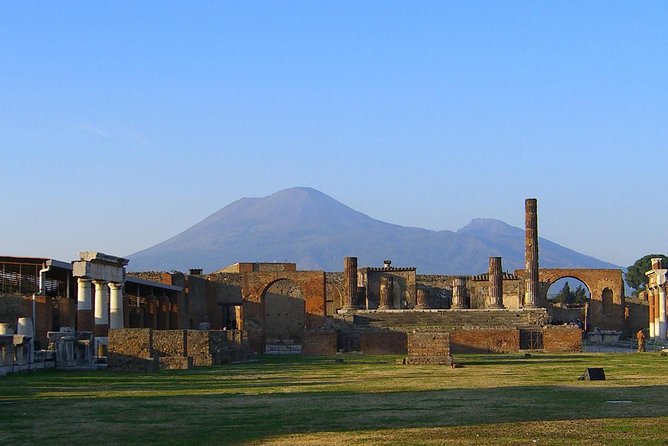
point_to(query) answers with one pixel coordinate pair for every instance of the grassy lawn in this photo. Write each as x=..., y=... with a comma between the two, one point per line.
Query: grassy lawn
x=493, y=399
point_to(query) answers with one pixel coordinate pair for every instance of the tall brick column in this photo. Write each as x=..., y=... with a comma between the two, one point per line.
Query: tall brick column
x=459, y=293
x=495, y=283
x=531, y=252
x=650, y=300
x=385, y=292
x=350, y=283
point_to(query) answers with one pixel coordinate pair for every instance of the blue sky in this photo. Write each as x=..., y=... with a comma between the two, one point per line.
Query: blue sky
x=124, y=123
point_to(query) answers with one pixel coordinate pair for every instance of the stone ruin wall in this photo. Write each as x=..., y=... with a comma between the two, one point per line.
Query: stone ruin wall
x=144, y=349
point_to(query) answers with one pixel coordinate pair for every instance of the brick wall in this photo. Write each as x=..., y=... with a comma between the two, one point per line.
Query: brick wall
x=485, y=341
x=428, y=344
x=383, y=343
x=144, y=349
x=562, y=339
x=319, y=343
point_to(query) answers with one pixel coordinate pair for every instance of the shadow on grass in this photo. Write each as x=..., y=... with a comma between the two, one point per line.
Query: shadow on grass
x=244, y=403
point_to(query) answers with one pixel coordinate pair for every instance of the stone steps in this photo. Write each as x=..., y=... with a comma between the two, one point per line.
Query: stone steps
x=449, y=319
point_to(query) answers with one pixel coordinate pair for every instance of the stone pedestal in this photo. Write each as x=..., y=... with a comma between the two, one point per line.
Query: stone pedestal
x=459, y=293
x=495, y=283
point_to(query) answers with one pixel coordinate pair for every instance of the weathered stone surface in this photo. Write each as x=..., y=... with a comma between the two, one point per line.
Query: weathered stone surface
x=485, y=340
x=566, y=338
x=428, y=344
x=146, y=349
x=319, y=343
x=383, y=343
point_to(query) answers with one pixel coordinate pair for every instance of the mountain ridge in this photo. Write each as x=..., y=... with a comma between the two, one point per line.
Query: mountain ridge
x=306, y=226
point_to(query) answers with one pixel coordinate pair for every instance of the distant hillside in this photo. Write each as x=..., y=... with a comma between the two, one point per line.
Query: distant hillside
x=310, y=228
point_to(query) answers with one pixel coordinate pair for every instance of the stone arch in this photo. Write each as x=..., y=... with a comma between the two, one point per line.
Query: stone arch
x=602, y=283
x=283, y=312
x=255, y=284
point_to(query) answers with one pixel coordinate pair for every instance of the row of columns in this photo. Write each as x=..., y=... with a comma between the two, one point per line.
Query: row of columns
x=656, y=295
x=108, y=306
x=350, y=289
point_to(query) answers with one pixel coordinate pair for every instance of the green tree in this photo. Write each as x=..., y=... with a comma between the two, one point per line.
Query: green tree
x=564, y=295
x=635, y=274
x=580, y=295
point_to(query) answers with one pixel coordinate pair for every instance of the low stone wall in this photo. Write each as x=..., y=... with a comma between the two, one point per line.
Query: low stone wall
x=319, y=343
x=383, y=343
x=169, y=342
x=557, y=339
x=486, y=340
x=131, y=349
x=428, y=348
x=144, y=349
x=199, y=347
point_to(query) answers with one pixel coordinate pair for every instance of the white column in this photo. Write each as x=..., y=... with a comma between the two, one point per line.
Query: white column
x=657, y=331
x=116, y=305
x=101, y=302
x=84, y=301
x=662, y=313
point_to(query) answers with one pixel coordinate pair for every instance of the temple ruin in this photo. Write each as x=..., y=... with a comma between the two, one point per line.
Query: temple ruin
x=91, y=313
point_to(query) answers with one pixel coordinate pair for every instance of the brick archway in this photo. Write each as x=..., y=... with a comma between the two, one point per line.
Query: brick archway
x=253, y=287
x=606, y=306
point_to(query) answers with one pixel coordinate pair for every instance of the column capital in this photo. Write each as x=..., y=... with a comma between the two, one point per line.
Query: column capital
x=115, y=285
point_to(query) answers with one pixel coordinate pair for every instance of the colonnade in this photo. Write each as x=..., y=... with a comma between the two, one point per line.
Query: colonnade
x=656, y=295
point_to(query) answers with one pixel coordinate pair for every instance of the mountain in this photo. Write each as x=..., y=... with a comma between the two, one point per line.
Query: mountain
x=310, y=228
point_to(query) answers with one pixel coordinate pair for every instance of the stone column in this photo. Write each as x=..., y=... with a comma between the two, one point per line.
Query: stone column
x=421, y=298
x=101, y=329
x=657, y=330
x=662, y=312
x=459, y=293
x=350, y=283
x=116, y=311
x=495, y=283
x=101, y=308
x=385, y=292
x=531, y=252
x=650, y=300
x=84, y=305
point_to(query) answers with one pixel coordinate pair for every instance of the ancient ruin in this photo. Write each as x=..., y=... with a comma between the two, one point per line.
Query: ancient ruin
x=92, y=313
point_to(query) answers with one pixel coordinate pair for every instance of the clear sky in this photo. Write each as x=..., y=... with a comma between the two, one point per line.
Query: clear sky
x=124, y=123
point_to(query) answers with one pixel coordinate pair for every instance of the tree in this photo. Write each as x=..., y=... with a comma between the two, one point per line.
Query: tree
x=580, y=296
x=564, y=295
x=635, y=274
x=568, y=297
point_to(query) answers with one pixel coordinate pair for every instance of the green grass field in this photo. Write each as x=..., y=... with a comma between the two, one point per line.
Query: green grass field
x=493, y=399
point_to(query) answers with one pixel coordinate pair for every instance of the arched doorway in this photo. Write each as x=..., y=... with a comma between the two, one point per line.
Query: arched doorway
x=283, y=309
x=568, y=301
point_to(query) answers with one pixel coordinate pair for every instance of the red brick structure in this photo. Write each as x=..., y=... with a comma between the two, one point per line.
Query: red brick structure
x=606, y=307
x=255, y=285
